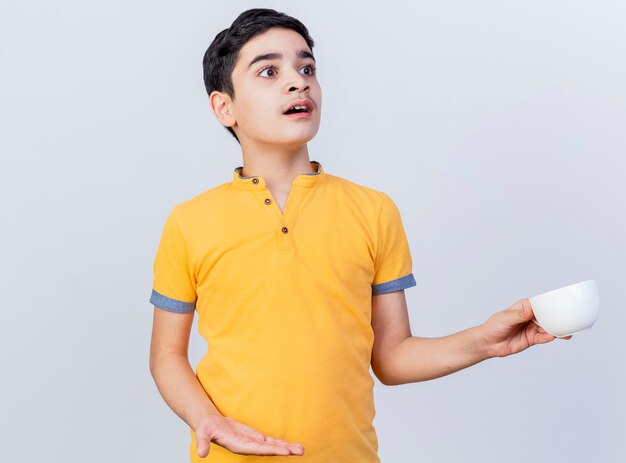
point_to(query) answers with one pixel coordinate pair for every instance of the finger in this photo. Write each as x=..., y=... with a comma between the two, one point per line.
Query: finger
x=269, y=448
x=277, y=440
x=248, y=446
x=258, y=436
x=294, y=448
x=203, y=446
x=542, y=338
x=250, y=432
x=539, y=331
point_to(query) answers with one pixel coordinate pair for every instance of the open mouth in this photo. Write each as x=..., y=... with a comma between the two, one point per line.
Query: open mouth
x=298, y=109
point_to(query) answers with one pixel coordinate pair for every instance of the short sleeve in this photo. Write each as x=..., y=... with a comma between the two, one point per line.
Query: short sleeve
x=392, y=264
x=174, y=287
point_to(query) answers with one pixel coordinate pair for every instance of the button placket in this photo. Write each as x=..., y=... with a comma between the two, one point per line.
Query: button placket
x=267, y=202
x=289, y=217
x=283, y=221
x=285, y=238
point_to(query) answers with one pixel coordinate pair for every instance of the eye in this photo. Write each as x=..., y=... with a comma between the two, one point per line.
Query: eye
x=310, y=69
x=271, y=71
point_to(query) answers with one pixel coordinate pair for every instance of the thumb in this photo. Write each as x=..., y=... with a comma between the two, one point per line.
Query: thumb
x=526, y=312
x=203, y=446
x=520, y=312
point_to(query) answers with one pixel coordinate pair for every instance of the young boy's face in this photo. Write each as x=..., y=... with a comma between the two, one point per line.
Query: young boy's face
x=269, y=86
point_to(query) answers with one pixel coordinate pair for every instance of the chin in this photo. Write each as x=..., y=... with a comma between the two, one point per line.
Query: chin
x=289, y=136
x=303, y=140
x=294, y=139
x=307, y=135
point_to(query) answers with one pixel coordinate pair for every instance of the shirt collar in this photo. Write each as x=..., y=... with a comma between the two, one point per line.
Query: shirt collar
x=256, y=182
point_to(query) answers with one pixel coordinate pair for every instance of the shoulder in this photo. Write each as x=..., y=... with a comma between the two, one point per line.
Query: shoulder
x=203, y=200
x=201, y=205
x=356, y=192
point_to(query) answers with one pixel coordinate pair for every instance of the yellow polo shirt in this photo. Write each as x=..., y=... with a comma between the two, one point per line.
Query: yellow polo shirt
x=284, y=301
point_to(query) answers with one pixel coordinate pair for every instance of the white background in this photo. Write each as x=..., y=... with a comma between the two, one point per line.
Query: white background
x=497, y=127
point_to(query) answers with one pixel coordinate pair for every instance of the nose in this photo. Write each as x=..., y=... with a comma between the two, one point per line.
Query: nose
x=300, y=88
x=297, y=82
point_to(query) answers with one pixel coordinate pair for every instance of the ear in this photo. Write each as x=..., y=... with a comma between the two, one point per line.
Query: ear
x=221, y=104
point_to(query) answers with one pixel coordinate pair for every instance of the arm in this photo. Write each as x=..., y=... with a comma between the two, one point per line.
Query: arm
x=184, y=394
x=399, y=358
x=171, y=370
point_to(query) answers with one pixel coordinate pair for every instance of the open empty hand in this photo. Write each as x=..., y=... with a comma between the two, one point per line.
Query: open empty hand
x=240, y=438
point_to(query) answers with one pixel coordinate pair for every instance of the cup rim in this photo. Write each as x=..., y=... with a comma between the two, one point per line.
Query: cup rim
x=565, y=287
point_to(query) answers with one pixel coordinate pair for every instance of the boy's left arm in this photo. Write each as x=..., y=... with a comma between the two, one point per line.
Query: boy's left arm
x=399, y=358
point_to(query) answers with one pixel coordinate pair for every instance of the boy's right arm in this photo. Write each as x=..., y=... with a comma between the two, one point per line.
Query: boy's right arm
x=183, y=393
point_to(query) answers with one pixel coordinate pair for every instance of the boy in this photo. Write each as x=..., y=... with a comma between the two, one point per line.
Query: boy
x=298, y=278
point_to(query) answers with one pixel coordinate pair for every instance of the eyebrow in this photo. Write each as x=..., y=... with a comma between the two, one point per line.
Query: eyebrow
x=271, y=56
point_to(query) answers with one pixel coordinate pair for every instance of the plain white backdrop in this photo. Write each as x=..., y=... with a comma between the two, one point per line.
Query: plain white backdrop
x=498, y=128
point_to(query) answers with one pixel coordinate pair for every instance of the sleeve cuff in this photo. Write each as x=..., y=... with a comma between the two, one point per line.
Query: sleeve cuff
x=394, y=285
x=164, y=302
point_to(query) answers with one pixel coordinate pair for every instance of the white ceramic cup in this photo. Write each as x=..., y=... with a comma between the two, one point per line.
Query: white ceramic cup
x=566, y=310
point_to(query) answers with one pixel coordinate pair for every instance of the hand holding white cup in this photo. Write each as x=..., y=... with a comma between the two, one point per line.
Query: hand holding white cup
x=567, y=310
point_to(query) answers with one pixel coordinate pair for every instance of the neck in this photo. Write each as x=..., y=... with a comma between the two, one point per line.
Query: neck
x=278, y=167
